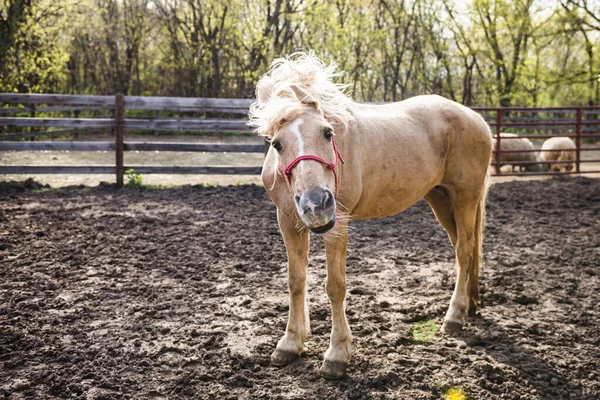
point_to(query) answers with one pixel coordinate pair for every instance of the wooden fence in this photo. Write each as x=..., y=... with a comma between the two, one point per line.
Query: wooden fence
x=119, y=123
x=217, y=115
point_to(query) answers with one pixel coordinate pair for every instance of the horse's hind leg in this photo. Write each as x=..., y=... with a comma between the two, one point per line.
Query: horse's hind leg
x=438, y=199
x=338, y=354
x=466, y=209
x=296, y=244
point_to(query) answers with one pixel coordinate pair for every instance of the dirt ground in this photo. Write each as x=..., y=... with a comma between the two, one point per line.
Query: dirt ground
x=181, y=293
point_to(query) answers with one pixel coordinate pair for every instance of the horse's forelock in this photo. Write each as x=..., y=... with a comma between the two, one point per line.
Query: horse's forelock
x=304, y=70
x=268, y=117
x=264, y=88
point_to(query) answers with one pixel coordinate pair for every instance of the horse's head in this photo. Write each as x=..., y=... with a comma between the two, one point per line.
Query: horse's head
x=307, y=156
x=298, y=107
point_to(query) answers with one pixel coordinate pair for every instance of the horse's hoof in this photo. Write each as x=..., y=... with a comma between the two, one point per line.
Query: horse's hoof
x=472, y=311
x=280, y=358
x=333, y=369
x=451, y=327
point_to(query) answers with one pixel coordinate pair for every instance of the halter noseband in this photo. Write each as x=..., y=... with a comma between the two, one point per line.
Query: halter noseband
x=287, y=172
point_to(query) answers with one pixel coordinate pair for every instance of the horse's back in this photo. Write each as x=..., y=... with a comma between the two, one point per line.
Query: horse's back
x=436, y=125
x=420, y=142
x=447, y=116
x=442, y=119
x=467, y=136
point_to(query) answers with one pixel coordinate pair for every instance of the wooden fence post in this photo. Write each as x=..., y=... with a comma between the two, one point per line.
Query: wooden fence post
x=119, y=131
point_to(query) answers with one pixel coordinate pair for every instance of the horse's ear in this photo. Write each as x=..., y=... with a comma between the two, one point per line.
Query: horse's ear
x=304, y=97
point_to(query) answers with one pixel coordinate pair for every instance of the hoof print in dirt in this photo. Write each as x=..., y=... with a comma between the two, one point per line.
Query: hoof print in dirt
x=333, y=369
x=281, y=358
x=451, y=328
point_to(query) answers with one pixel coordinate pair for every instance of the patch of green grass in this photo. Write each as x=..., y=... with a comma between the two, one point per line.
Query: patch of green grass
x=424, y=331
x=133, y=178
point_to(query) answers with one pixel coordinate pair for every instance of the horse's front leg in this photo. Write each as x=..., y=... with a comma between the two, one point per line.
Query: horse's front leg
x=291, y=345
x=338, y=354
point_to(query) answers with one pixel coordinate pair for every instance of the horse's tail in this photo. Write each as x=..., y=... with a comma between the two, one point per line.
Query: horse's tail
x=477, y=266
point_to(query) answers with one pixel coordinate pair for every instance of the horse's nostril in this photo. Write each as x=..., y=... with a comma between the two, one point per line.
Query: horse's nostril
x=328, y=200
x=297, y=199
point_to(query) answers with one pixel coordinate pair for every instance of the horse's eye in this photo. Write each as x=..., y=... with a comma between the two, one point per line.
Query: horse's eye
x=328, y=133
x=277, y=146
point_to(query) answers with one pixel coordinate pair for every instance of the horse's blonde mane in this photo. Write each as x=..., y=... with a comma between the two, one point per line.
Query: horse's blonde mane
x=277, y=104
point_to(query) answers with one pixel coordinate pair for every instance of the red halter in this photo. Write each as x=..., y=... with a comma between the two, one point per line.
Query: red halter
x=288, y=170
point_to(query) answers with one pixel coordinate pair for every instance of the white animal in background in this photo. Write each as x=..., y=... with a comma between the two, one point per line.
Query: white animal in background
x=558, y=149
x=516, y=144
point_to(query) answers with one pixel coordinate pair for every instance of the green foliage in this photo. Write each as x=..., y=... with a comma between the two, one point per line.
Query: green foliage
x=12, y=15
x=133, y=178
x=424, y=331
x=35, y=58
x=484, y=52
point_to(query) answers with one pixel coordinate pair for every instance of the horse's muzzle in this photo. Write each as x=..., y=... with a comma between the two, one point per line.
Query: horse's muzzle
x=316, y=208
x=324, y=228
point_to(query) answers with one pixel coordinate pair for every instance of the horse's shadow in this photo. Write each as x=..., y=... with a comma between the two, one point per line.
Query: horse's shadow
x=541, y=375
x=529, y=371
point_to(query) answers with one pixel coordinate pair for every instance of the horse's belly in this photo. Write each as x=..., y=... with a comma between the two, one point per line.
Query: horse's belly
x=399, y=169
x=391, y=201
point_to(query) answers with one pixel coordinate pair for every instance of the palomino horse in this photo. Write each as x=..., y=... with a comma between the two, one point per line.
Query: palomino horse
x=332, y=160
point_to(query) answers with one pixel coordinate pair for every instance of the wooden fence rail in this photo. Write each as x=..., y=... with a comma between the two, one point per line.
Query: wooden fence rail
x=132, y=146
x=165, y=103
x=174, y=124
x=21, y=98
x=574, y=122
x=94, y=123
x=53, y=109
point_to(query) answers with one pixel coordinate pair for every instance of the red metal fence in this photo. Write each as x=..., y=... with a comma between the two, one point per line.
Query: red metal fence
x=580, y=124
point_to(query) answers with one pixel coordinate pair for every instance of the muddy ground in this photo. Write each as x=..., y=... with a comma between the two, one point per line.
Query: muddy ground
x=181, y=293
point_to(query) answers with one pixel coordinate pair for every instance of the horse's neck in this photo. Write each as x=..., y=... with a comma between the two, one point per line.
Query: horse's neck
x=367, y=119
